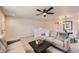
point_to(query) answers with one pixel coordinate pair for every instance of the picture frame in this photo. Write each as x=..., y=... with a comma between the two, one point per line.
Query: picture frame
x=67, y=25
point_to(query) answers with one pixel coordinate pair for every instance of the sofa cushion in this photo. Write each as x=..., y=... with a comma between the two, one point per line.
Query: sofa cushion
x=53, y=50
x=62, y=36
x=54, y=41
x=19, y=49
x=50, y=39
x=54, y=34
x=63, y=45
x=58, y=42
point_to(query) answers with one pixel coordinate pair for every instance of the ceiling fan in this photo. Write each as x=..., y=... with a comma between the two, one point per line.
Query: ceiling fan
x=44, y=12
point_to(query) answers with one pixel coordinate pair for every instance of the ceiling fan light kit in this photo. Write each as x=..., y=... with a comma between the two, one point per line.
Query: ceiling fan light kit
x=44, y=12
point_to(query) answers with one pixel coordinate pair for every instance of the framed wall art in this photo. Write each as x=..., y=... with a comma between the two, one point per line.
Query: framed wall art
x=67, y=25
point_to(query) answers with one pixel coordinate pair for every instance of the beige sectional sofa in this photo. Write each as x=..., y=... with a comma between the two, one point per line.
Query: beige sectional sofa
x=63, y=46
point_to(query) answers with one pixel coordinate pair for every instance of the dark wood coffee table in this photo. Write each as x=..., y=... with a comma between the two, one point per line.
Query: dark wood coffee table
x=40, y=48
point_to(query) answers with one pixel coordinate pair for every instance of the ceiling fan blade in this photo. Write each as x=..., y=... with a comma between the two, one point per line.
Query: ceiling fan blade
x=39, y=10
x=50, y=13
x=39, y=14
x=50, y=9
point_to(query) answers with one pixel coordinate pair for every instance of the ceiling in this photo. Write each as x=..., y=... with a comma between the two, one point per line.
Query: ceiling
x=30, y=12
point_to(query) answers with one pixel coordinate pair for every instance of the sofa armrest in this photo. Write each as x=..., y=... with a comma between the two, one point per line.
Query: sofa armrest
x=61, y=45
x=66, y=44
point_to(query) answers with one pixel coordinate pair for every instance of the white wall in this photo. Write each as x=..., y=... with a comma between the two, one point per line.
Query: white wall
x=19, y=27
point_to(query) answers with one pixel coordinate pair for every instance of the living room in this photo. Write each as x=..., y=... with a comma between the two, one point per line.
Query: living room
x=24, y=24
